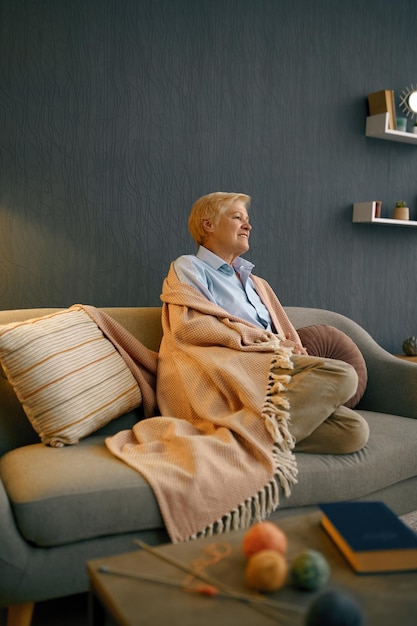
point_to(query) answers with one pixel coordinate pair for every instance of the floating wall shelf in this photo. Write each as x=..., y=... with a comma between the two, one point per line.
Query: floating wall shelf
x=364, y=213
x=377, y=127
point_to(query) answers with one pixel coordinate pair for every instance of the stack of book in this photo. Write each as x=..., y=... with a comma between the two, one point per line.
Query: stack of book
x=383, y=102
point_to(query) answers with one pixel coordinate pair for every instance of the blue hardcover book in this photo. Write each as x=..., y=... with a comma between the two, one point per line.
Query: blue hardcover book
x=370, y=536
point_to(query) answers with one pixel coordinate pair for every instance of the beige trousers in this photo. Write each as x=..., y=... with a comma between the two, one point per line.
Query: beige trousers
x=318, y=421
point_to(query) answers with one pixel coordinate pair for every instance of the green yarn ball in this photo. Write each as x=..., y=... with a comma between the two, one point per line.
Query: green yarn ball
x=310, y=570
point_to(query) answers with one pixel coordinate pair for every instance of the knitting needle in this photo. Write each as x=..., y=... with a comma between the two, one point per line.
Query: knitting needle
x=257, y=603
x=208, y=590
x=205, y=591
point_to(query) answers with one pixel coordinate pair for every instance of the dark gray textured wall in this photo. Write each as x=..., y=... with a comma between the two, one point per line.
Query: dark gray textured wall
x=116, y=115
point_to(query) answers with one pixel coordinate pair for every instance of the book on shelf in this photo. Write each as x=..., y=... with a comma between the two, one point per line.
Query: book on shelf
x=370, y=536
x=383, y=102
x=366, y=211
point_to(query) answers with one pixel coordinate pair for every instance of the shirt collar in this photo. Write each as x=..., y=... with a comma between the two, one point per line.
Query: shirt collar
x=240, y=265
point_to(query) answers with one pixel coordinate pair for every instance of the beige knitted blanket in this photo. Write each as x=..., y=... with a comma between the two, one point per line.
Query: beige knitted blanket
x=213, y=455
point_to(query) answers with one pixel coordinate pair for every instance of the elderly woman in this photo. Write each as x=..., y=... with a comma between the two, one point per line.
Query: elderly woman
x=235, y=388
x=219, y=224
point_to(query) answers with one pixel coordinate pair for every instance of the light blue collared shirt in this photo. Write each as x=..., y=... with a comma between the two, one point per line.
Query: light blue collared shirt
x=217, y=281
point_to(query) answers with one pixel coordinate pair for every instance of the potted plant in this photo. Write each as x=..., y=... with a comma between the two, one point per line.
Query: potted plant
x=401, y=211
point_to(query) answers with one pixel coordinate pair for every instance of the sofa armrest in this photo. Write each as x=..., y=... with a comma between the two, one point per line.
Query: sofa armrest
x=392, y=388
x=14, y=553
x=392, y=382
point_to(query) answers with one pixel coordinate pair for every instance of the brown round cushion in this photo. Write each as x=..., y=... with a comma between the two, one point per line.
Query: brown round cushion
x=332, y=343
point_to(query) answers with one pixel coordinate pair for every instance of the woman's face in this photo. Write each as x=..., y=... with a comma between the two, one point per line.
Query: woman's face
x=229, y=238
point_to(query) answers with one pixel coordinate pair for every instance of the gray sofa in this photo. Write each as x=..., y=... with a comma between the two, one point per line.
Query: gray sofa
x=63, y=506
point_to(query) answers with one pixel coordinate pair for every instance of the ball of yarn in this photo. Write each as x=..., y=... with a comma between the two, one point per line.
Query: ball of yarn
x=333, y=608
x=264, y=536
x=266, y=571
x=310, y=570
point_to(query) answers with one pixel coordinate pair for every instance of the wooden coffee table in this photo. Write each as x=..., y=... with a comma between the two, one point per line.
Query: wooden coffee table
x=385, y=599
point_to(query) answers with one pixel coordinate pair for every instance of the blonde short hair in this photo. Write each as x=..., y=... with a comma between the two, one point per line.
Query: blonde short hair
x=211, y=207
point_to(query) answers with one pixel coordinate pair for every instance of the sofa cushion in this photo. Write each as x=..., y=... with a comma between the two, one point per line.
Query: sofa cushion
x=64, y=495
x=69, y=378
x=389, y=458
x=330, y=342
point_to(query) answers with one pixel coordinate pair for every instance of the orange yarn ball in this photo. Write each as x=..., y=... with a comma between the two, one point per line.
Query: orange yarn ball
x=264, y=536
x=266, y=571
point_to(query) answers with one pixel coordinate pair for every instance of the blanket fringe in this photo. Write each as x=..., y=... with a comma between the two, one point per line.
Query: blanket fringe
x=255, y=509
x=276, y=413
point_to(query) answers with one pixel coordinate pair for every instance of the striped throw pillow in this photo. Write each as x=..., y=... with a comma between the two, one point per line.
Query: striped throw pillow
x=69, y=378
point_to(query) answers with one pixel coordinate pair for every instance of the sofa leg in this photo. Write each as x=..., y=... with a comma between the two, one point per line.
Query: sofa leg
x=20, y=614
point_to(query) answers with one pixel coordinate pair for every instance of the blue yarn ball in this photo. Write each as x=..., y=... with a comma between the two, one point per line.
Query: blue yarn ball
x=333, y=608
x=310, y=570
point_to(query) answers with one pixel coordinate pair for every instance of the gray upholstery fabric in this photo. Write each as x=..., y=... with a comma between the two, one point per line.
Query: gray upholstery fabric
x=76, y=493
x=389, y=458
